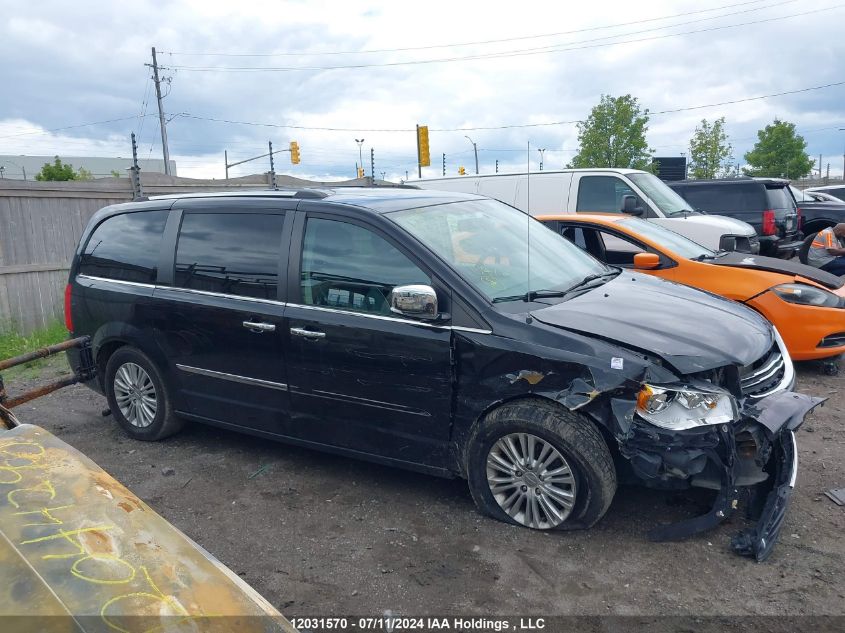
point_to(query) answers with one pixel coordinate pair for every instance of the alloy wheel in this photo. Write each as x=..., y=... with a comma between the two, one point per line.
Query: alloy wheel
x=135, y=394
x=531, y=481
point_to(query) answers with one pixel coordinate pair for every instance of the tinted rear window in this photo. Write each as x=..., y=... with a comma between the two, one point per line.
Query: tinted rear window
x=779, y=198
x=125, y=247
x=230, y=253
x=727, y=197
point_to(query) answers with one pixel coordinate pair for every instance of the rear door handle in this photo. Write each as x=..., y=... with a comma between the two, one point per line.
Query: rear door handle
x=259, y=328
x=310, y=334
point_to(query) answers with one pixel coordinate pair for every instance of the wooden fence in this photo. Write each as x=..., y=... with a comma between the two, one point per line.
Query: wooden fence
x=41, y=223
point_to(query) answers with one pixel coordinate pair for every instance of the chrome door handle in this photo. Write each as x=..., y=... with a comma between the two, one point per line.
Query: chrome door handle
x=259, y=328
x=298, y=331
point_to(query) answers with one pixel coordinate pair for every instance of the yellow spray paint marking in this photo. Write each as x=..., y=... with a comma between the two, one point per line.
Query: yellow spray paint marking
x=70, y=523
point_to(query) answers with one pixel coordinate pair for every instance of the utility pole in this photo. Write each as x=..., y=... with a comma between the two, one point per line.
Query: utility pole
x=444, y=164
x=161, y=120
x=226, y=162
x=820, y=166
x=842, y=129
x=497, y=165
x=372, y=164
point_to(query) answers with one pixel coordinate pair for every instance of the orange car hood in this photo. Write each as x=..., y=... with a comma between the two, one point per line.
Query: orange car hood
x=783, y=266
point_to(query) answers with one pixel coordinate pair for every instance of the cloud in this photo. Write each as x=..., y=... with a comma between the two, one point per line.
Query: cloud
x=75, y=63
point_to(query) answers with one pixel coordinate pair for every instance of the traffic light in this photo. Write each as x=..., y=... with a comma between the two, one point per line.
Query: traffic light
x=294, y=152
x=423, y=155
x=462, y=171
x=360, y=172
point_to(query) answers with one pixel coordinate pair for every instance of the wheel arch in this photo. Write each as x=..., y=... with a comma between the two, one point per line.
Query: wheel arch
x=518, y=398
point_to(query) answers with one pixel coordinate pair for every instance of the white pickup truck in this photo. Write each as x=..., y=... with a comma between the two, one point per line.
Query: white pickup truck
x=605, y=191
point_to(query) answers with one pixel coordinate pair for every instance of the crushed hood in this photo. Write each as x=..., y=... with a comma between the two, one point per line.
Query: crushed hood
x=774, y=265
x=689, y=329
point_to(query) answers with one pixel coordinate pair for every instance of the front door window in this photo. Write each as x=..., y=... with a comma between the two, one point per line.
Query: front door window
x=348, y=267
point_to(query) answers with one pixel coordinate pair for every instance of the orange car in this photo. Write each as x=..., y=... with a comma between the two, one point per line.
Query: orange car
x=807, y=305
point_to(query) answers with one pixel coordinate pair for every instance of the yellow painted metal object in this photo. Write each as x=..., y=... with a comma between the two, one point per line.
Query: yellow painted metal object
x=80, y=552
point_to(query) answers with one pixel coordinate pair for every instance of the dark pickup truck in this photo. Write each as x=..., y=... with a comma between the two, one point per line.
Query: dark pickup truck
x=816, y=215
x=765, y=203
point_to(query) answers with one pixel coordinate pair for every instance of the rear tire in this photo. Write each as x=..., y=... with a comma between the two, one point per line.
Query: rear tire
x=138, y=397
x=550, y=467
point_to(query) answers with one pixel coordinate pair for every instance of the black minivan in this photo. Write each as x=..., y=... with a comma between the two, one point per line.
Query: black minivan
x=443, y=332
x=765, y=203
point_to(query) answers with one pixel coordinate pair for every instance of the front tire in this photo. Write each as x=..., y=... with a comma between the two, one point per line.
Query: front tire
x=536, y=464
x=138, y=397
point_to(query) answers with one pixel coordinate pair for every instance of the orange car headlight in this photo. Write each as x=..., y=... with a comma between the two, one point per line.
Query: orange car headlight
x=807, y=295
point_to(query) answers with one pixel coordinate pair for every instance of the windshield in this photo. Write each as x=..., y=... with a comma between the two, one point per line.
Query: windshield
x=666, y=200
x=672, y=241
x=799, y=195
x=487, y=243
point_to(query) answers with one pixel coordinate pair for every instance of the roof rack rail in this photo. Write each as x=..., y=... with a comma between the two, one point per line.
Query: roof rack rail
x=304, y=193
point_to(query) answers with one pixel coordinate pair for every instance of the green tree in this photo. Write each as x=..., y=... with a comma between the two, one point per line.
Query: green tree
x=779, y=153
x=614, y=135
x=709, y=150
x=56, y=171
x=83, y=174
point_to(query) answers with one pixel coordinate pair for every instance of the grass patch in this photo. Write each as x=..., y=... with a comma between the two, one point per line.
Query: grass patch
x=15, y=343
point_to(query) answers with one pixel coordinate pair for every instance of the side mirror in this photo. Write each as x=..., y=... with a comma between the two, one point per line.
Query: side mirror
x=629, y=205
x=646, y=261
x=416, y=301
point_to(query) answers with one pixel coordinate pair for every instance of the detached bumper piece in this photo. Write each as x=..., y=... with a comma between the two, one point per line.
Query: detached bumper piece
x=755, y=458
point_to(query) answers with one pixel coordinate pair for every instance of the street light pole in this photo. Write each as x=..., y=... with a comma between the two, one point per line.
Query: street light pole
x=541, y=157
x=360, y=154
x=475, y=149
x=842, y=129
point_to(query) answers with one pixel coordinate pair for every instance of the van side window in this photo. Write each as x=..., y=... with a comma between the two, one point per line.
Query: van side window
x=230, y=253
x=348, y=267
x=125, y=247
x=602, y=194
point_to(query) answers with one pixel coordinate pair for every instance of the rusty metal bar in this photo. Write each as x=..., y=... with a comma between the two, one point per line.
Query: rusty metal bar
x=43, y=352
x=43, y=390
x=86, y=371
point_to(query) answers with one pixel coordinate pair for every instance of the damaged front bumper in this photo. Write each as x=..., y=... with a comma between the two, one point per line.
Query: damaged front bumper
x=755, y=458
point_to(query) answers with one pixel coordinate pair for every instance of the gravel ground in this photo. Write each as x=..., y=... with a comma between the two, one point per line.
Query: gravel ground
x=318, y=534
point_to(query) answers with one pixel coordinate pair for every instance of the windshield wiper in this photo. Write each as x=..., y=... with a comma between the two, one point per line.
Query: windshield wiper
x=703, y=256
x=530, y=296
x=546, y=294
x=591, y=278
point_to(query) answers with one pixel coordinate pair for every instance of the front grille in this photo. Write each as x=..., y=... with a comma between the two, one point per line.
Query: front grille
x=764, y=375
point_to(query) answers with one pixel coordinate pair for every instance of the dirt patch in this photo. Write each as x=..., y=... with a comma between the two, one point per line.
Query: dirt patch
x=318, y=534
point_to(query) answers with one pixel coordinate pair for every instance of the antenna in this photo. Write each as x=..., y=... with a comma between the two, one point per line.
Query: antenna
x=528, y=224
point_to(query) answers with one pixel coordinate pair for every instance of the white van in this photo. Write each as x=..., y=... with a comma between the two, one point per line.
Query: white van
x=606, y=191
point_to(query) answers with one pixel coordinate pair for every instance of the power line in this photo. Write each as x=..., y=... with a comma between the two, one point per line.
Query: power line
x=587, y=44
x=71, y=127
x=478, y=42
x=502, y=127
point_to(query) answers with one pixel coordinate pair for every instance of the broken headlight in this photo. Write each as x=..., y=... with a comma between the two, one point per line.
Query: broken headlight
x=680, y=408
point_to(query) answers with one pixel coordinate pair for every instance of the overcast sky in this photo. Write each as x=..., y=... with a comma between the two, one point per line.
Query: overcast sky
x=63, y=64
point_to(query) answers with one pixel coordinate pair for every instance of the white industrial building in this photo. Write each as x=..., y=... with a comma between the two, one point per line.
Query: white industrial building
x=24, y=167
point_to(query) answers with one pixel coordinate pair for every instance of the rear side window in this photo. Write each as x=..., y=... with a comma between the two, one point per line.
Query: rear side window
x=602, y=194
x=348, y=267
x=779, y=198
x=729, y=197
x=125, y=247
x=230, y=253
